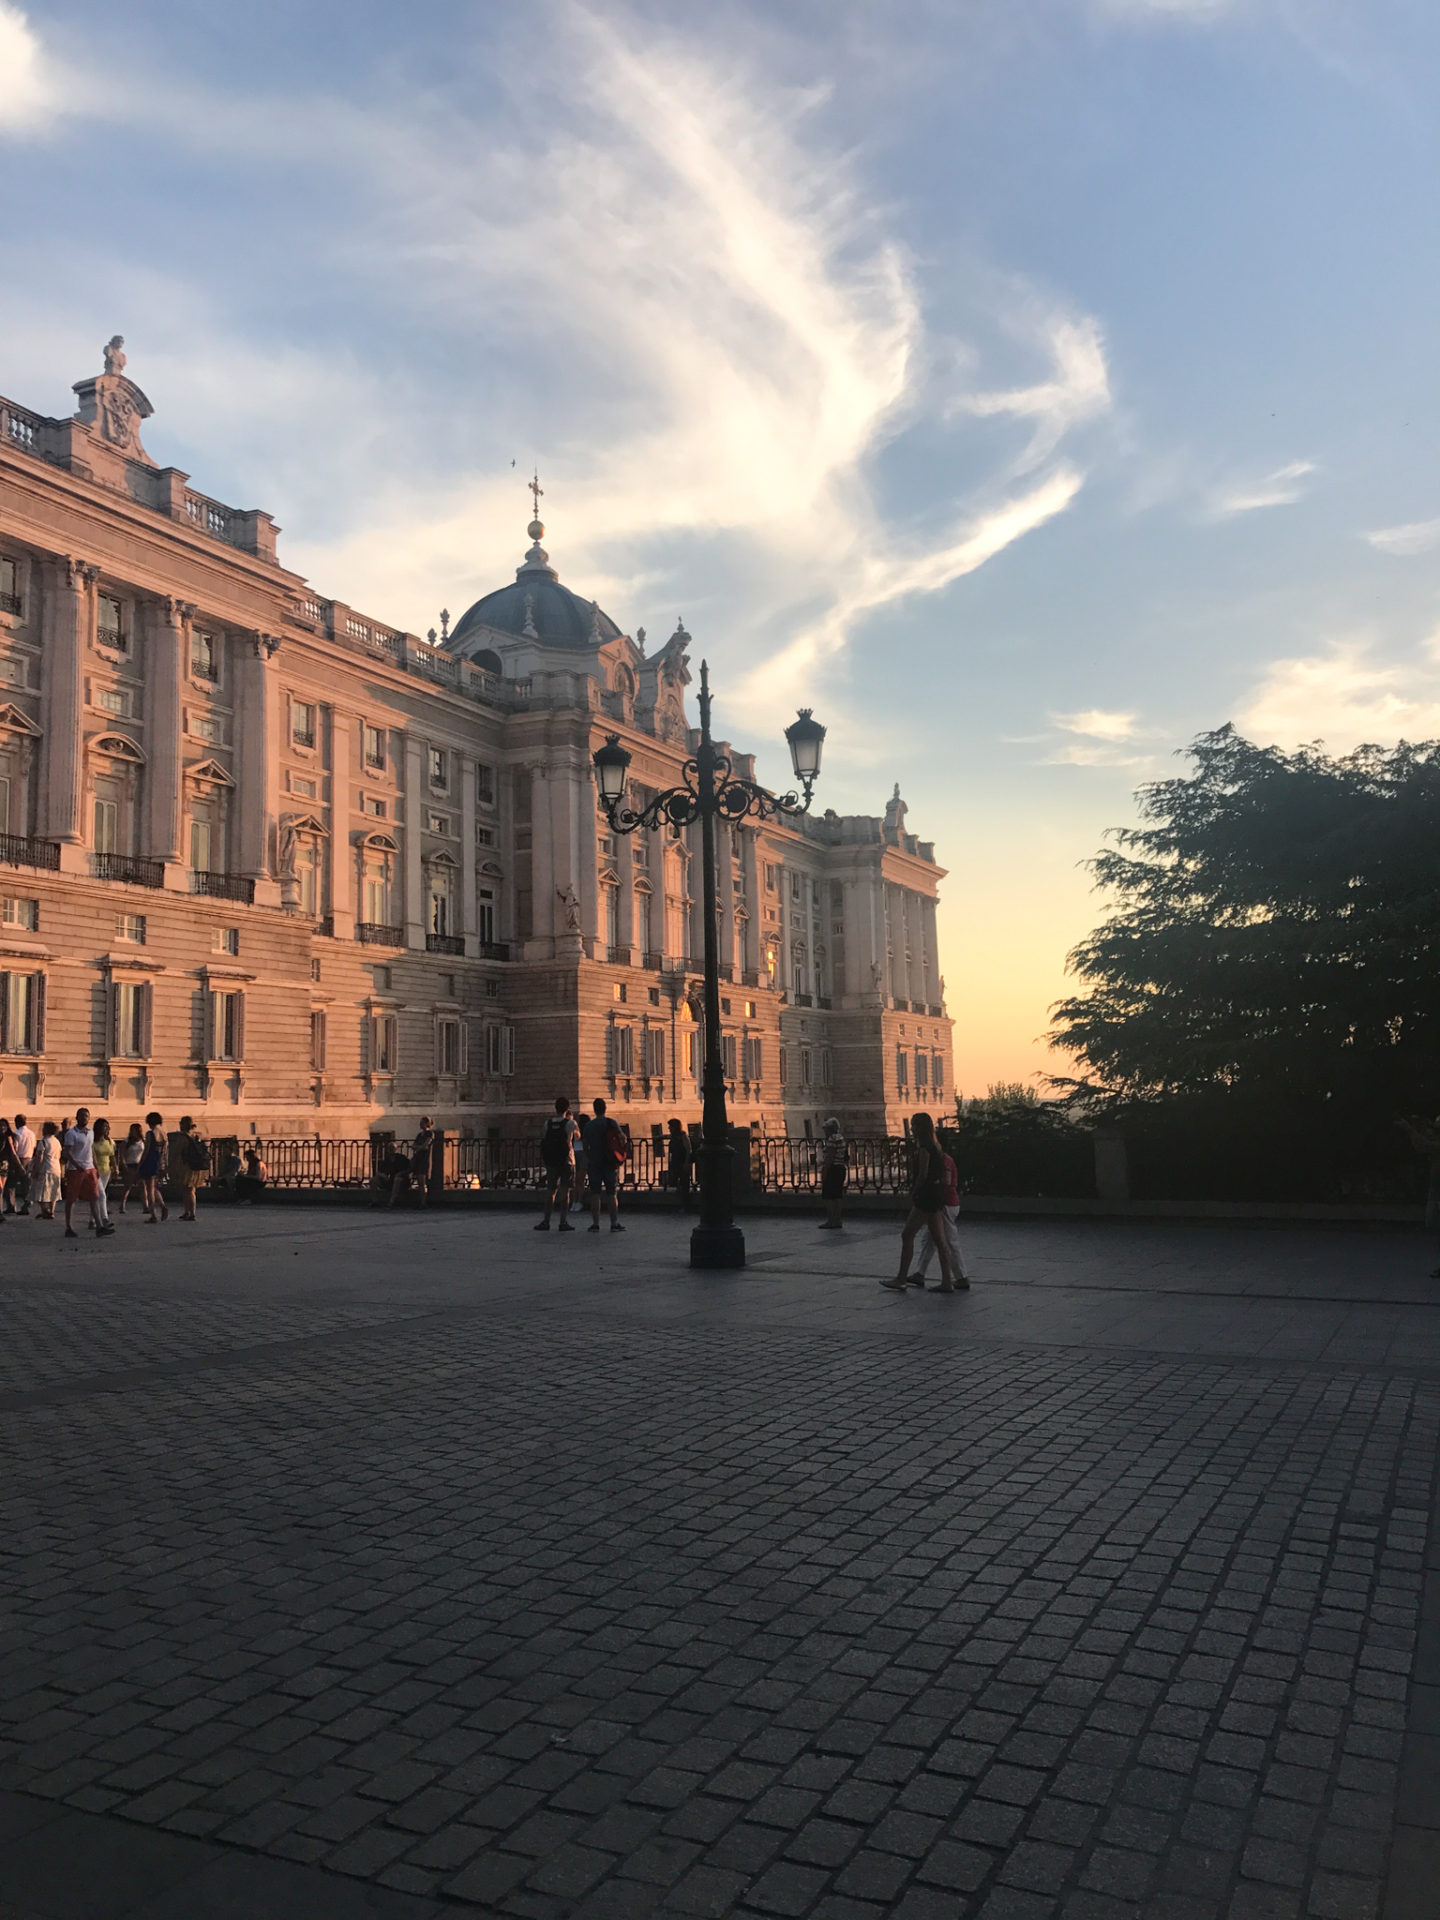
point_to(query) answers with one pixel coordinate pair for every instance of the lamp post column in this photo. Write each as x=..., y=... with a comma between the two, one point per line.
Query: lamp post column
x=716, y=1240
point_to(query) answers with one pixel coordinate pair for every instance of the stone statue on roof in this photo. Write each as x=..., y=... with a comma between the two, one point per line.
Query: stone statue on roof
x=114, y=351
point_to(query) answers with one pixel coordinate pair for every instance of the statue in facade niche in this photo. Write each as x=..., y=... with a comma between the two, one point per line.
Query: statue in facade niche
x=571, y=902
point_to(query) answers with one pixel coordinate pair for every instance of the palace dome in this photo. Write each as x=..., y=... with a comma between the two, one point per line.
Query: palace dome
x=536, y=608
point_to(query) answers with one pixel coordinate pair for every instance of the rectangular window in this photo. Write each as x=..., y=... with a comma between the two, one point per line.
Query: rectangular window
x=201, y=727
x=372, y=803
x=9, y=585
x=795, y=885
x=485, y=914
x=784, y=1066
x=484, y=784
x=902, y=1067
x=437, y=823
x=113, y=700
x=317, y=1040
x=21, y=913
x=109, y=621
x=655, y=1053
x=200, y=846
x=130, y=927
x=937, y=1071
x=203, y=656
x=439, y=767
x=384, y=1043
x=130, y=1035
x=922, y=1068
x=752, y=1061
x=772, y=878
x=500, y=1050
x=227, y=1025
x=449, y=1048
x=107, y=826
x=727, y=1055
x=225, y=940
x=827, y=1068
x=22, y=1013
x=749, y=1006
x=806, y=1078
x=622, y=1055
x=315, y=970
x=374, y=747
x=302, y=784
x=484, y=836
x=302, y=723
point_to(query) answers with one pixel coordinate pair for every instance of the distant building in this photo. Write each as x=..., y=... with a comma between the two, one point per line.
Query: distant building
x=271, y=861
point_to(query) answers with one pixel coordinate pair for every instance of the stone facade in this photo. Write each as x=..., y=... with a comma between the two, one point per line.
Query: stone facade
x=271, y=861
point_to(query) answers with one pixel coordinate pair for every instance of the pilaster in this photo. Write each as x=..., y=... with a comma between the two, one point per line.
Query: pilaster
x=68, y=619
x=465, y=773
x=542, y=865
x=413, y=877
x=257, y=764
x=344, y=729
x=167, y=630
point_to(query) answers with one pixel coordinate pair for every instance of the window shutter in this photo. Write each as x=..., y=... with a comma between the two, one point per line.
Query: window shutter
x=509, y=1049
x=239, y=1051
x=37, y=1014
x=4, y=1013
x=462, y=1064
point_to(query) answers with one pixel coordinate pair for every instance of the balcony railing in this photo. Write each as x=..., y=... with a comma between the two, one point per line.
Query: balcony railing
x=618, y=956
x=373, y=933
x=134, y=871
x=444, y=943
x=19, y=850
x=750, y=977
x=10, y=603
x=804, y=1000
x=824, y=1000
x=494, y=950
x=326, y=926
x=654, y=961
x=112, y=637
x=223, y=886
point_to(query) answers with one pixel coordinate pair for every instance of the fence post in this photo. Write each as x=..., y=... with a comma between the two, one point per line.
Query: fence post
x=435, y=1172
x=1112, y=1165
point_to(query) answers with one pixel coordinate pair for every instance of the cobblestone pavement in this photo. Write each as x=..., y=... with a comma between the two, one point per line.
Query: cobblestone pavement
x=422, y=1566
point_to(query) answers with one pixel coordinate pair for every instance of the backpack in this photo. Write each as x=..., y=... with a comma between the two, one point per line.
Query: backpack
x=555, y=1142
x=617, y=1143
x=197, y=1154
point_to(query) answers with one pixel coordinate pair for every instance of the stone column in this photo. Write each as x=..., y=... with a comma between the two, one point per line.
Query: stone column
x=542, y=864
x=465, y=773
x=166, y=637
x=566, y=795
x=587, y=884
x=67, y=621
x=915, y=940
x=754, y=959
x=412, y=873
x=343, y=730
x=725, y=862
x=255, y=764
x=625, y=867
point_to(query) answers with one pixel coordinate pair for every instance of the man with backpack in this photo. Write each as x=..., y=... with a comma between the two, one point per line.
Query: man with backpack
x=606, y=1150
x=557, y=1155
x=194, y=1165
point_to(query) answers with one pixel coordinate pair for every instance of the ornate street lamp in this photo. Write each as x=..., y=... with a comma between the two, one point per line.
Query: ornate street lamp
x=711, y=792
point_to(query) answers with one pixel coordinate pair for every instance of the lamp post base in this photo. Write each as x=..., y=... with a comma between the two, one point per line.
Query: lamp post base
x=717, y=1247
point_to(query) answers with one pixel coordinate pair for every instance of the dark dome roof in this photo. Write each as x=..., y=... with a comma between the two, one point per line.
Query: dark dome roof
x=538, y=607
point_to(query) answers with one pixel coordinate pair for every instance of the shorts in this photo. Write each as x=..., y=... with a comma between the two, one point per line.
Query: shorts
x=604, y=1179
x=81, y=1183
x=832, y=1183
x=928, y=1199
x=193, y=1178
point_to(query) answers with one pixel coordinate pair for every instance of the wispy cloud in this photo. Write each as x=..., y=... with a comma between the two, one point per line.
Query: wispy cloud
x=1198, y=12
x=1418, y=537
x=29, y=93
x=1098, y=723
x=1282, y=488
x=1345, y=696
x=697, y=320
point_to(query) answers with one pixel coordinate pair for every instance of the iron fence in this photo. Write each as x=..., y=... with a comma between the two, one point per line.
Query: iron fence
x=475, y=1165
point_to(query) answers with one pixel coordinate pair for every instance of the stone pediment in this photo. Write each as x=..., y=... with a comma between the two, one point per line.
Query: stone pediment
x=12, y=720
x=208, y=773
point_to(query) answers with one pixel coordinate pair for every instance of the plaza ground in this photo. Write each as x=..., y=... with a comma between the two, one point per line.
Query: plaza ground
x=416, y=1565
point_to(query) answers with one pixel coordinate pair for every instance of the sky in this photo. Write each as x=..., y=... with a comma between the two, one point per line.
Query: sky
x=1025, y=385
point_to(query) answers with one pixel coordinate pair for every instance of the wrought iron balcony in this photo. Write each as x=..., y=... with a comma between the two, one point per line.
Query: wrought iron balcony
x=19, y=850
x=11, y=603
x=444, y=943
x=223, y=886
x=494, y=950
x=750, y=977
x=654, y=961
x=824, y=1000
x=112, y=637
x=618, y=956
x=804, y=1000
x=134, y=871
x=373, y=933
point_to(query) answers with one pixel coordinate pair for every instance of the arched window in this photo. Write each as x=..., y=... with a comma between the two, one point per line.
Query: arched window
x=488, y=661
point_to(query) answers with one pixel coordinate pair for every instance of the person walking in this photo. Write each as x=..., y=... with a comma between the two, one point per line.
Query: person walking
x=605, y=1150
x=7, y=1157
x=925, y=1246
x=833, y=1173
x=927, y=1202
x=45, y=1170
x=81, y=1182
x=194, y=1164
x=129, y=1156
x=17, y=1184
x=677, y=1163
x=104, y=1168
x=156, y=1144
x=557, y=1156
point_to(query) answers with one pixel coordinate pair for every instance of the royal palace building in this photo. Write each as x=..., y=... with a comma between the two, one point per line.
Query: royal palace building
x=270, y=861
